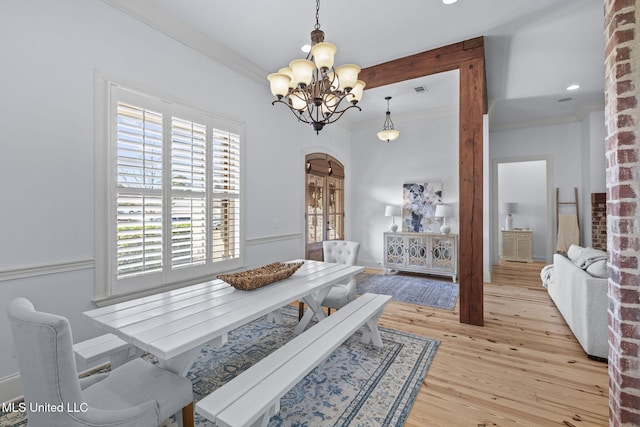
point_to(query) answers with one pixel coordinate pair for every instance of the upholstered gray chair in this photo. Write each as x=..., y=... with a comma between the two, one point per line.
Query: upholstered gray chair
x=135, y=394
x=342, y=252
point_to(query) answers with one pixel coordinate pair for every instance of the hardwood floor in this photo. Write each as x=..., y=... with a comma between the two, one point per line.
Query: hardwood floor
x=524, y=367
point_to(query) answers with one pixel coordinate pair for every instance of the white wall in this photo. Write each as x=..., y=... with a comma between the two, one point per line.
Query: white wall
x=525, y=184
x=51, y=51
x=427, y=150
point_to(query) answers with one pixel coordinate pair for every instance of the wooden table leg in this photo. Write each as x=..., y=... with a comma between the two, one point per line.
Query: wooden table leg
x=300, y=310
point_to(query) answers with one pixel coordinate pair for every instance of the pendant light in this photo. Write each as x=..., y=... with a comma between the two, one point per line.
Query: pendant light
x=388, y=133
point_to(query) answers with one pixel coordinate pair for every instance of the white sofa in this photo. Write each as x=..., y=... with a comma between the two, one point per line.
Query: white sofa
x=582, y=298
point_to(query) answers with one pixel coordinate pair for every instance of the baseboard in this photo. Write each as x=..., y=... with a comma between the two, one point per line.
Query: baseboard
x=10, y=388
x=371, y=264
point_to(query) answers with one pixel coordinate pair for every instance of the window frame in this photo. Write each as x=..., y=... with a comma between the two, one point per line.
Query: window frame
x=107, y=286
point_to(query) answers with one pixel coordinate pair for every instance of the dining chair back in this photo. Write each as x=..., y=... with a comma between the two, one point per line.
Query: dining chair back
x=136, y=394
x=342, y=252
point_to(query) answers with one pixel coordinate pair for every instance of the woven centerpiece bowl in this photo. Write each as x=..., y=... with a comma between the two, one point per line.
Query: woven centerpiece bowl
x=261, y=276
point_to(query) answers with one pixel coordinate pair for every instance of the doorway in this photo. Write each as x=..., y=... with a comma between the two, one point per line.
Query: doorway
x=324, y=195
x=523, y=184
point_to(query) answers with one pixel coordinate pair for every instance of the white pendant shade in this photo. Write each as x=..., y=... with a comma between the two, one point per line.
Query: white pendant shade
x=302, y=70
x=323, y=54
x=388, y=135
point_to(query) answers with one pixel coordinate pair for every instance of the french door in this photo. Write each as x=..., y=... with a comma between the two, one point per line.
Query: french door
x=324, y=202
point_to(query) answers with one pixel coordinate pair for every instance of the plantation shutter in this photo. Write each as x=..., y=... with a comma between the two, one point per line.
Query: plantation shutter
x=188, y=193
x=225, y=195
x=139, y=190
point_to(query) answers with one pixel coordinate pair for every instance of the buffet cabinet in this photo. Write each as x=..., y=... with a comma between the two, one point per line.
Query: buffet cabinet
x=516, y=245
x=428, y=253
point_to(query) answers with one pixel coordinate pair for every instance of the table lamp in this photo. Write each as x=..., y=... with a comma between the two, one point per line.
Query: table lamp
x=444, y=211
x=508, y=209
x=393, y=212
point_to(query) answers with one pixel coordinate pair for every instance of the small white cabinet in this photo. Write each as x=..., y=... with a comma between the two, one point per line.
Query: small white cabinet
x=428, y=253
x=516, y=245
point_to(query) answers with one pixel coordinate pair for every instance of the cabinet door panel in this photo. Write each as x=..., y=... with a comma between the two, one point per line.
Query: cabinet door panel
x=418, y=252
x=394, y=251
x=442, y=253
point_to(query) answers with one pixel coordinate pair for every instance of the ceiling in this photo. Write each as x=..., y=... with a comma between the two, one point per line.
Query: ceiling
x=534, y=48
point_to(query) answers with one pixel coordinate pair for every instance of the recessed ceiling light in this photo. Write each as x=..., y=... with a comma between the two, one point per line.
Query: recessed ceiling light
x=306, y=48
x=573, y=87
x=449, y=1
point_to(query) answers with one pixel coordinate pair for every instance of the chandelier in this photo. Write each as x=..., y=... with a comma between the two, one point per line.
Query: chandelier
x=312, y=88
x=388, y=133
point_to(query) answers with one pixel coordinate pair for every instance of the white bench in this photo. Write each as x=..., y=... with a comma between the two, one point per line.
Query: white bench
x=105, y=346
x=253, y=397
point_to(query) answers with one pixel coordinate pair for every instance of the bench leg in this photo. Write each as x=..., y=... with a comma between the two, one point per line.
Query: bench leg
x=371, y=334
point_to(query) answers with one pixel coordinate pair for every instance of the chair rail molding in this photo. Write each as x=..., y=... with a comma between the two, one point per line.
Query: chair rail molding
x=274, y=238
x=45, y=269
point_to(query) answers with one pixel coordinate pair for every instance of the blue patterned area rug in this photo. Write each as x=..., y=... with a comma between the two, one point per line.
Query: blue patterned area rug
x=412, y=289
x=357, y=385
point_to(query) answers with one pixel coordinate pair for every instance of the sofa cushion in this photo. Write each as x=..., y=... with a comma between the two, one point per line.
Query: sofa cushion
x=598, y=269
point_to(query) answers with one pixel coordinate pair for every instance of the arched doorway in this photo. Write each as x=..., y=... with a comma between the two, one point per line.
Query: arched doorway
x=324, y=207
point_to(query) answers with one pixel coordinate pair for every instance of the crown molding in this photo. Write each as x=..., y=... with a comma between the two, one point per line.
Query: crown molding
x=145, y=12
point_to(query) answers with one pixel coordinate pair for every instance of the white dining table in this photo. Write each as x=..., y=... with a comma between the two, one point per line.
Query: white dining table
x=175, y=325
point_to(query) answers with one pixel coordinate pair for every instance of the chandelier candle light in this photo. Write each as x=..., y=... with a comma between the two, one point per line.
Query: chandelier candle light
x=312, y=88
x=388, y=133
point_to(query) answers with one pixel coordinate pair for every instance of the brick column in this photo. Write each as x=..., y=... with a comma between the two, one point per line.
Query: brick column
x=622, y=121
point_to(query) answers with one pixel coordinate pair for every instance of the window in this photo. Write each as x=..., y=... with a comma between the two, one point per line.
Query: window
x=174, y=195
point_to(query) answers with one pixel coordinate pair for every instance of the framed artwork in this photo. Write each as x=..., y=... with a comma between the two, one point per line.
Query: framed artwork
x=419, y=206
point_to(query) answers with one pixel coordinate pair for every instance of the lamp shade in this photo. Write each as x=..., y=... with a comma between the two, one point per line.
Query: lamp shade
x=392, y=210
x=279, y=84
x=297, y=100
x=347, y=76
x=443, y=211
x=388, y=135
x=356, y=93
x=509, y=208
x=323, y=54
x=302, y=70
